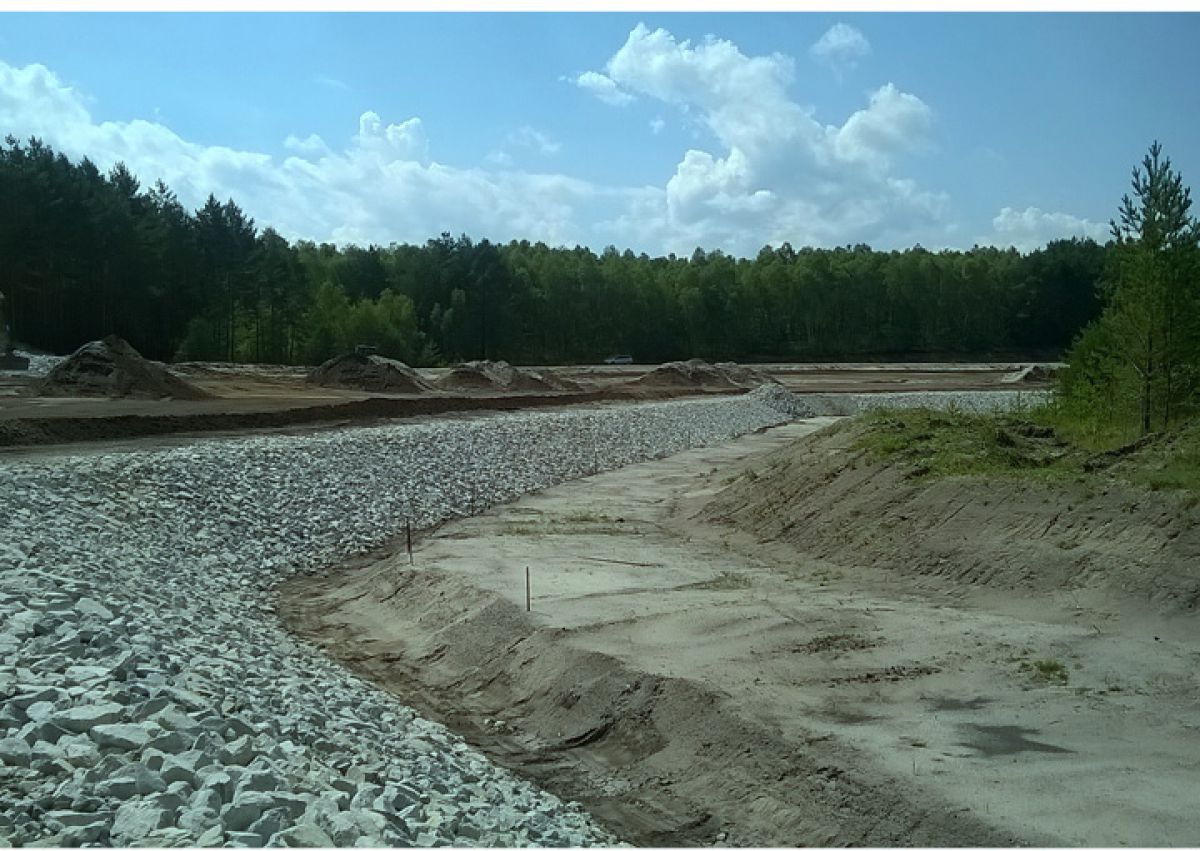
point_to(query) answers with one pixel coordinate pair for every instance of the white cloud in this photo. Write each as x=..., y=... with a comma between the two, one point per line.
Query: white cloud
x=535, y=140
x=603, y=87
x=778, y=173
x=841, y=46
x=331, y=83
x=657, y=125
x=762, y=168
x=1032, y=228
x=383, y=185
x=893, y=122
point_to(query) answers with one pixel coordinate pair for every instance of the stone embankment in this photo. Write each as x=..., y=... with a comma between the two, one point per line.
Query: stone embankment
x=150, y=695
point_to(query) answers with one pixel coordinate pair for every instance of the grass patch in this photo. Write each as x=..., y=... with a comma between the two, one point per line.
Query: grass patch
x=954, y=443
x=1030, y=443
x=1047, y=671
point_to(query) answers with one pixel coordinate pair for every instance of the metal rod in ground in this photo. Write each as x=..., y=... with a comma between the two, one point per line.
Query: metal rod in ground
x=528, y=597
x=408, y=539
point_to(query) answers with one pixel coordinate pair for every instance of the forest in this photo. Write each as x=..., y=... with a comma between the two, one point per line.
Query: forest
x=84, y=253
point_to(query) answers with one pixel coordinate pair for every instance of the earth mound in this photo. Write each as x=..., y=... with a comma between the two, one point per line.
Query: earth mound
x=112, y=367
x=369, y=372
x=703, y=375
x=501, y=375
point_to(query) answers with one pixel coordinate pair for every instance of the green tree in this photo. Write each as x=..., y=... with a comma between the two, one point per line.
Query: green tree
x=1147, y=334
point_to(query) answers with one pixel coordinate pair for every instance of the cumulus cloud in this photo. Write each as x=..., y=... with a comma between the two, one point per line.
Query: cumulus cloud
x=776, y=173
x=893, y=122
x=762, y=168
x=840, y=47
x=382, y=185
x=603, y=87
x=1032, y=228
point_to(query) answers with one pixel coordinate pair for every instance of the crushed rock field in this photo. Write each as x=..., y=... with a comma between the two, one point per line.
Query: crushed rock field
x=150, y=696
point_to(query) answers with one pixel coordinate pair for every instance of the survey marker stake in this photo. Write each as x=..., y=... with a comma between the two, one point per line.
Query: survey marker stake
x=528, y=598
x=408, y=539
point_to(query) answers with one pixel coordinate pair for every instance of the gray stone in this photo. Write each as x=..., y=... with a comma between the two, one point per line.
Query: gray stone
x=118, y=788
x=258, y=781
x=147, y=781
x=244, y=839
x=178, y=770
x=89, y=607
x=206, y=798
x=269, y=823
x=170, y=837
x=40, y=711
x=129, y=737
x=84, y=834
x=135, y=820
x=197, y=820
x=220, y=782
x=80, y=719
x=301, y=836
x=238, y=752
x=43, y=752
x=16, y=752
x=79, y=751
x=239, y=816
x=211, y=838
x=153, y=759
x=70, y=818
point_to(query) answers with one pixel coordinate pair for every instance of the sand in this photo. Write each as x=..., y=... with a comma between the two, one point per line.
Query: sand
x=112, y=367
x=692, y=684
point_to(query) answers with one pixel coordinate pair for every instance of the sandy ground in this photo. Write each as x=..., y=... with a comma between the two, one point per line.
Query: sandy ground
x=770, y=698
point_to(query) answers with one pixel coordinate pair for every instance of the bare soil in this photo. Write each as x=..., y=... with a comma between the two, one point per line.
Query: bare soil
x=251, y=397
x=693, y=675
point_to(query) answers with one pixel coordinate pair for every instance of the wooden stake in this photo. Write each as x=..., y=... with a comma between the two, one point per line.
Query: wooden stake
x=528, y=596
x=408, y=539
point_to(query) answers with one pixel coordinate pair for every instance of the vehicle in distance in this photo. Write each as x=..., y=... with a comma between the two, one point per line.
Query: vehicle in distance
x=619, y=359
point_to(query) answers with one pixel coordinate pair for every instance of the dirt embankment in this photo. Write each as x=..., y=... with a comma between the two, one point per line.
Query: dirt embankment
x=1096, y=536
x=662, y=760
x=691, y=685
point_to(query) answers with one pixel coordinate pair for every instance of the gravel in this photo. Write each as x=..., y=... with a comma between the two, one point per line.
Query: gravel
x=150, y=695
x=39, y=365
x=848, y=404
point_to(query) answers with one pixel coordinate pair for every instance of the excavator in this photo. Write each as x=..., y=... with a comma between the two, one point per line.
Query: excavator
x=9, y=359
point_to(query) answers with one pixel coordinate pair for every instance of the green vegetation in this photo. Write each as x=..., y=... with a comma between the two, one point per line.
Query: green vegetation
x=84, y=254
x=955, y=443
x=1136, y=369
x=1047, y=670
x=1028, y=444
x=1129, y=401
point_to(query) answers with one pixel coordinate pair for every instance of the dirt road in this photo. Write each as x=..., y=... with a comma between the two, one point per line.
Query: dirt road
x=689, y=686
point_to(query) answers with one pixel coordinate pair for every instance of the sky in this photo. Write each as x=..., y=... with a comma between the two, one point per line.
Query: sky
x=657, y=132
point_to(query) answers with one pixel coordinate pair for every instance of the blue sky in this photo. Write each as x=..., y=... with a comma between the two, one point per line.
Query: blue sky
x=656, y=132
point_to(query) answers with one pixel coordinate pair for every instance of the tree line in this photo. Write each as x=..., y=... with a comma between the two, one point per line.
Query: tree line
x=85, y=253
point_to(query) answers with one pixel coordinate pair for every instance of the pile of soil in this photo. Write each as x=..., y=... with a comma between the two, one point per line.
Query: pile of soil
x=112, y=367
x=501, y=375
x=369, y=372
x=829, y=499
x=703, y=375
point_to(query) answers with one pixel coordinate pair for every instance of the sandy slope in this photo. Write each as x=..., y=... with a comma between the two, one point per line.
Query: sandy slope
x=691, y=685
